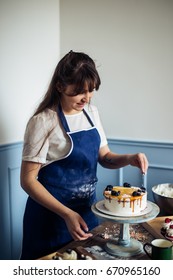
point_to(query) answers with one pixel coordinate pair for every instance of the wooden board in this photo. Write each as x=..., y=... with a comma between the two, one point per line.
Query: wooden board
x=154, y=226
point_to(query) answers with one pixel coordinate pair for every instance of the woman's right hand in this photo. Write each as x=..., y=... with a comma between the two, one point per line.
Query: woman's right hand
x=77, y=226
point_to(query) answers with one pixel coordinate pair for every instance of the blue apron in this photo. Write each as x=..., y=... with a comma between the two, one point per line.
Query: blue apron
x=72, y=180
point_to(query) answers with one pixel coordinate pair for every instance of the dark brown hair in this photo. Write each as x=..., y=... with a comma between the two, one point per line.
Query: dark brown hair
x=75, y=68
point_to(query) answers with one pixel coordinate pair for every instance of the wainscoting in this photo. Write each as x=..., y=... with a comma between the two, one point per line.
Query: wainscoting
x=12, y=201
x=13, y=198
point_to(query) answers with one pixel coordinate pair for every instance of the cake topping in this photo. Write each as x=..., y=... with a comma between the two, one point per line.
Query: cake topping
x=109, y=188
x=167, y=220
x=119, y=192
x=70, y=254
x=170, y=232
x=136, y=193
x=127, y=185
x=115, y=193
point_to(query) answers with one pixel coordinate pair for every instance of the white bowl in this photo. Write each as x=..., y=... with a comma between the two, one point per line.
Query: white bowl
x=163, y=196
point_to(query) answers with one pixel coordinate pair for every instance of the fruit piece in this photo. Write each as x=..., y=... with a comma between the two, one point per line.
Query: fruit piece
x=139, y=190
x=68, y=251
x=109, y=188
x=115, y=193
x=171, y=226
x=126, y=185
x=167, y=220
x=136, y=193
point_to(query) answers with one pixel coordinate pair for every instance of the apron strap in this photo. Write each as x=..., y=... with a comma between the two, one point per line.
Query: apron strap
x=64, y=121
x=88, y=117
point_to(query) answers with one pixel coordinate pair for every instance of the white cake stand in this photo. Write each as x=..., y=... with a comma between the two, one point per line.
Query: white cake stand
x=124, y=245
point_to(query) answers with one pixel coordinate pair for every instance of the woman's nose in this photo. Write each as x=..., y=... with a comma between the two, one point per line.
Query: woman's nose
x=87, y=96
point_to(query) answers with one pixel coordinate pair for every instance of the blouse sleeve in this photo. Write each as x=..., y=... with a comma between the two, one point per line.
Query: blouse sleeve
x=35, y=140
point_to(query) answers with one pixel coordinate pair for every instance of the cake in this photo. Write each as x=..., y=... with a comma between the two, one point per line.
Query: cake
x=125, y=200
x=167, y=228
x=70, y=254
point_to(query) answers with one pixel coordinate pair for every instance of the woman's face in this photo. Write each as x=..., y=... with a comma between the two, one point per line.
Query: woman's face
x=71, y=103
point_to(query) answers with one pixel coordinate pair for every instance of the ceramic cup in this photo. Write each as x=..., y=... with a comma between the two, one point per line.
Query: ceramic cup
x=160, y=249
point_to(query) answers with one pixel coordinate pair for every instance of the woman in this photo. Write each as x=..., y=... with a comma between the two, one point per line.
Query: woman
x=64, y=141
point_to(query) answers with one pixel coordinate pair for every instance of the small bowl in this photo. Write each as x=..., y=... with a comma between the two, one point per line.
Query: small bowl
x=163, y=197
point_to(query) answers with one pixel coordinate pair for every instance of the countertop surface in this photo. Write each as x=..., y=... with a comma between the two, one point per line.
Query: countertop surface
x=95, y=245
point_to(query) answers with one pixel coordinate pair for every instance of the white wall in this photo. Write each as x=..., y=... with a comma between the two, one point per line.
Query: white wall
x=132, y=43
x=29, y=51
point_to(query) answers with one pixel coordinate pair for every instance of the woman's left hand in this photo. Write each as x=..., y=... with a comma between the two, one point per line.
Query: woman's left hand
x=139, y=160
x=76, y=226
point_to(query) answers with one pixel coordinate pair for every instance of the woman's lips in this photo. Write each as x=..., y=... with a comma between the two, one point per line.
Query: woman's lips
x=81, y=104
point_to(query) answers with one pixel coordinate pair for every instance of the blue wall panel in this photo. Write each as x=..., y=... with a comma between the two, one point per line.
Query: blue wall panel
x=12, y=200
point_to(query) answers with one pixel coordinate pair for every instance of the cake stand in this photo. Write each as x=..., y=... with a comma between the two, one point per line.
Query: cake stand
x=124, y=245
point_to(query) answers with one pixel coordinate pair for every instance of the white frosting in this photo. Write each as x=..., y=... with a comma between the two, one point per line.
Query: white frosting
x=70, y=256
x=166, y=225
x=170, y=232
x=107, y=192
x=164, y=190
x=88, y=258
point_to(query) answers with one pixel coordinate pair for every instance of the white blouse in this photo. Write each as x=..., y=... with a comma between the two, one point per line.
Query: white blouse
x=45, y=139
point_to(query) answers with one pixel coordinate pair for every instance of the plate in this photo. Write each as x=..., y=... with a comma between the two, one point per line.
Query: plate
x=101, y=207
x=169, y=238
x=166, y=236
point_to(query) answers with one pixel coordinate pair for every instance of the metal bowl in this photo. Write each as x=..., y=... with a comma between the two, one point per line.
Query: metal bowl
x=163, y=197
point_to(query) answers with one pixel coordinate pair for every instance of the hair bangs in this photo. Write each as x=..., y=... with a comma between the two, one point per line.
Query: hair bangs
x=86, y=78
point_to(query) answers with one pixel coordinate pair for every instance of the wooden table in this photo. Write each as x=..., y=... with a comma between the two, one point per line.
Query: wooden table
x=144, y=232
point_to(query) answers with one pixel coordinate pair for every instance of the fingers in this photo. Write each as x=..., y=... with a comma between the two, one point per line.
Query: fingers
x=142, y=162
x=81, y=232
x=80, y=235
x=83, y=224
x=139, y=160
x=77, y=227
